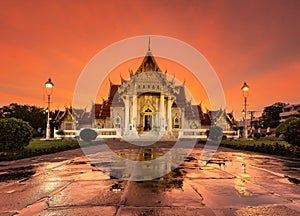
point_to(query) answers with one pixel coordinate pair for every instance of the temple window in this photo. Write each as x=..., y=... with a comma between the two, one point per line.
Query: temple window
x=176, y=122
x=117, y=122
x=68, y=126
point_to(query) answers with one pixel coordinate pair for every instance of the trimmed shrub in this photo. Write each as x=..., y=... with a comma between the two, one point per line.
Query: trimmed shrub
x=215, y=133
x=257, y=135
x=60, y=132
x=15, y=134
x=281, y=129
x=88, y=135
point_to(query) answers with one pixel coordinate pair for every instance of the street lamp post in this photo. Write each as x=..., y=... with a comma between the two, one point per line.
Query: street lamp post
x=49, y=87
x=245, y=89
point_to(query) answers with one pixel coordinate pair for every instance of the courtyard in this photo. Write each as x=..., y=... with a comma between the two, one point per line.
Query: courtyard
x=230, y=183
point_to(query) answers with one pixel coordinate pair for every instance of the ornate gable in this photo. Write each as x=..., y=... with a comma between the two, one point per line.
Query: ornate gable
x=147, y=78
x=66, y=116
x=148, y=64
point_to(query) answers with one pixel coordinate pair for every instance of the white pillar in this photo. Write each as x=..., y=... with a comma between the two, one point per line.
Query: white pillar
x=126, y=122
x=162, y=112
x=169, y=114
x=134, y=111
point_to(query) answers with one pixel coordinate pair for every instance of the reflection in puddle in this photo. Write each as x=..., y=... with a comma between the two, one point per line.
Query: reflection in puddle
x=142, y=154
x=117, y=187
x=240, y=185
x=172, y=180
x=141, y=164
x=23, y=173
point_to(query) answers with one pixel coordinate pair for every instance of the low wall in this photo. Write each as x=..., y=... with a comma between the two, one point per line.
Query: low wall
x=109, y=133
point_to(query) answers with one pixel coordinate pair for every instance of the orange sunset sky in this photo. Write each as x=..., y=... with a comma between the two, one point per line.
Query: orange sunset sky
x=253, y=41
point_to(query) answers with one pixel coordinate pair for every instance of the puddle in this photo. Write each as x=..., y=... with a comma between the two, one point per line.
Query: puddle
x=190, y=159
x=168, y=182
x=141, y=154
x=101, y=164
x=78, y=162
x=218, y=162
x=293, y=180
x=117, y=187
x=21, y=173
x=291, y=169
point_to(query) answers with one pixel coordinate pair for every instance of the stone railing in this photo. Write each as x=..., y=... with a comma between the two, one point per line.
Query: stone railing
x=108, y=133
x=192, y=134
x=67, y=134
x=202, y=134
x=232, y=134
x=103, y=133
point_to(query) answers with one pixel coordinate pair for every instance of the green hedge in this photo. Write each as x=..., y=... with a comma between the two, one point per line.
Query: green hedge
x=47, y=147
x=275, y=149
x=41, y=147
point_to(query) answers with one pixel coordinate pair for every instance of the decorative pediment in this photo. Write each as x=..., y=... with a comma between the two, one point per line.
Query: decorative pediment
x=149, y=82
x=148, y=107
x=66, y=116
x=149, y=77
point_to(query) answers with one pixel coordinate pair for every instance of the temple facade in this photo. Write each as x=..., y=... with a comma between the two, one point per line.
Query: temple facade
x=150, y=102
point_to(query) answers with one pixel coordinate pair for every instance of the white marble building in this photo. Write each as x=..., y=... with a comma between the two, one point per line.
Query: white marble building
x=150, y=102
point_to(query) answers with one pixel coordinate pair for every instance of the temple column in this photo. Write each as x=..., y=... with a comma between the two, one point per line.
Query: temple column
x=126, y=122
x=134, y=112
x=169, y=114
x=162, y=112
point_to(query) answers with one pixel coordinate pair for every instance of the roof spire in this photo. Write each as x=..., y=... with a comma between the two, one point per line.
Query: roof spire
x=149, y=44
x=110, y=82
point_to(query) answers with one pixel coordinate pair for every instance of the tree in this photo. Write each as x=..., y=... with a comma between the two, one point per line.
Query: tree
x=35, y=116
x=292, y=133
x=15, y=134
x=281, y=128
x=270, y=116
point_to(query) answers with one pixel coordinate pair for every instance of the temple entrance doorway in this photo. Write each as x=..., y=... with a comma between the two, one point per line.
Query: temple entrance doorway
x=147, y=122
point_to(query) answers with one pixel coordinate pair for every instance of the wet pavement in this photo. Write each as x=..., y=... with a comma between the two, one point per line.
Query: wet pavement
x=230, y=183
